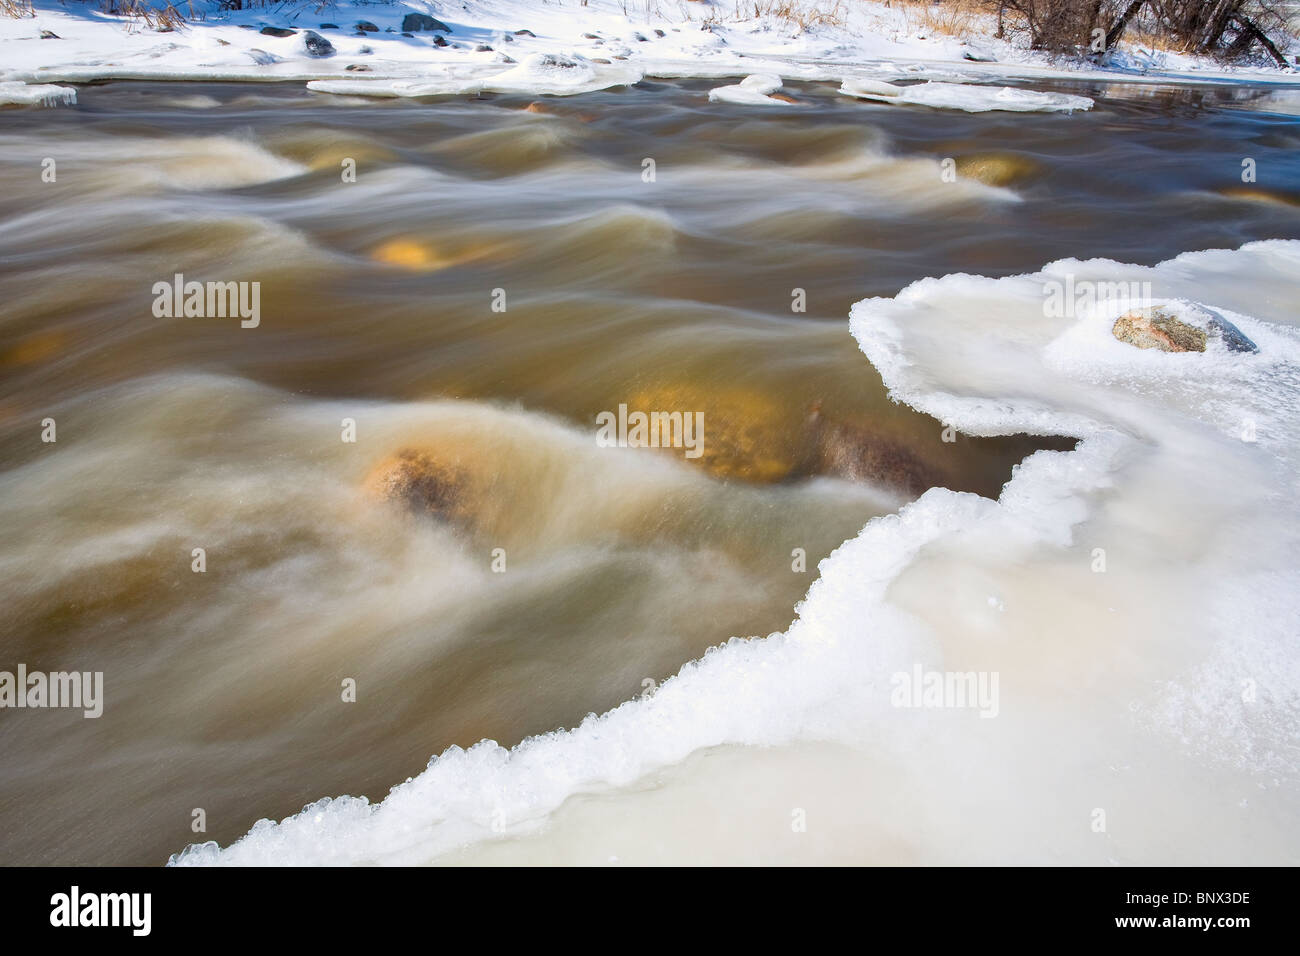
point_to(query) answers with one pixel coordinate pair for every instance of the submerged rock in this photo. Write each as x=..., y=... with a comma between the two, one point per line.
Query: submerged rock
x=1253, y=194
x=746, y=434
x=415, y=22
x=997, y=169
x=860, y=452
x=408, y=254
x=417, y=479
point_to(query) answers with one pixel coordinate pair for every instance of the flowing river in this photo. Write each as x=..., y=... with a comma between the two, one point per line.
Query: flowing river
x=313, y=544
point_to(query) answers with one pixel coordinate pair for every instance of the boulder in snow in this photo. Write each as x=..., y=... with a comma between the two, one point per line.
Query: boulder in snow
x=416, y=22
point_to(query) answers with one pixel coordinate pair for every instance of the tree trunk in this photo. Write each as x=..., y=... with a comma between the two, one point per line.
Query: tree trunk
x=1217, y=23
x=1112, y=37
x=1249, y=27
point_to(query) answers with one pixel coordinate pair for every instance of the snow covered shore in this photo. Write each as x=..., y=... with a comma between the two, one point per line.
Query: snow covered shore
x=556, y=47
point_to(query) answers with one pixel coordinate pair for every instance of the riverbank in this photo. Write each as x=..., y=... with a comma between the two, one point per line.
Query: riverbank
x=418, y=48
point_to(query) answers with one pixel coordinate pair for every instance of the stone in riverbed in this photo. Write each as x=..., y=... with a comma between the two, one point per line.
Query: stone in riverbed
x=1233, y=338
x=1157, y=328
x=316, y=44
x=857, y=450
x=997, y=169
x=421, y=482
x=365, y=26
x=50, y=35
x=415, y=22
x=276, y=32
x=747, y=435
x=329, y=26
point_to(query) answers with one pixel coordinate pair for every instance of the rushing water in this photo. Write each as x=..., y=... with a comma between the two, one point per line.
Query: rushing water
x=223, y=689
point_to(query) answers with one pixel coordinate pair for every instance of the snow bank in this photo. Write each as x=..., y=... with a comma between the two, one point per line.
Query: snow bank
x=549, y=48
x=13, y=93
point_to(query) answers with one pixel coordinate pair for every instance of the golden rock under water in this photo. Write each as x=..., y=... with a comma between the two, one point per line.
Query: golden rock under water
x=748, y=436
x=35, y=348
x=425, y=483
x=997, y=169
x=416, y=255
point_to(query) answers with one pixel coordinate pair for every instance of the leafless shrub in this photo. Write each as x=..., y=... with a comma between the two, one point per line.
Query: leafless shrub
x=16, y=9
